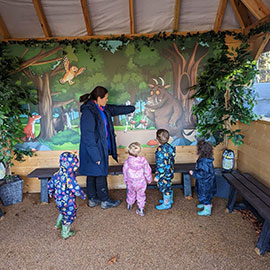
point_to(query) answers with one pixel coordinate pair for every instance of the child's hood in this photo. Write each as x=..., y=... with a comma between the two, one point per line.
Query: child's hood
x=69, y=162
x=135, y=162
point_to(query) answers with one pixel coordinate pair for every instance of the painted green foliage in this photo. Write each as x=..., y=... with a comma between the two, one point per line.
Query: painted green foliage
x=132, y=69
x=125, y=70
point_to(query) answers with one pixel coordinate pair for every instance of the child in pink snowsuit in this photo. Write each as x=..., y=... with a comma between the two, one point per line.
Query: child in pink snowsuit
x=137, y=173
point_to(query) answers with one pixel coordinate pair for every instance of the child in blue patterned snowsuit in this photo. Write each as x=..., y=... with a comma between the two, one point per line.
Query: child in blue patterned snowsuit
x=205, y=177
x=165, y=155
x=64, y=187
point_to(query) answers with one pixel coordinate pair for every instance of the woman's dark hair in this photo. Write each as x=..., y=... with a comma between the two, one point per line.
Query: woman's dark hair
x=99, y=91
x=204, y=149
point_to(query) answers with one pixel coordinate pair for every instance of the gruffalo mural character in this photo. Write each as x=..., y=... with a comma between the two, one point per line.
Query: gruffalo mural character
x=164, y=109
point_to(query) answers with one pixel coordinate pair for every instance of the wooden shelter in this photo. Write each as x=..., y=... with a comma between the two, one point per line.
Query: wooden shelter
x=99, y=19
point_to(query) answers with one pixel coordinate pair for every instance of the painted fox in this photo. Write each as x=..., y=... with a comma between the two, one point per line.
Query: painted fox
x=29, y=129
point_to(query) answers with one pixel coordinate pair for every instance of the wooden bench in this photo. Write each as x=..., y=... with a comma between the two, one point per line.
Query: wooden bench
x=256, y=197
x=44, y=174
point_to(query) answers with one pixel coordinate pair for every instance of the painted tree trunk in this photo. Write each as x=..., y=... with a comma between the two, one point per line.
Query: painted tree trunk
x=116, y=121
x=47, y=130
x=184, y=77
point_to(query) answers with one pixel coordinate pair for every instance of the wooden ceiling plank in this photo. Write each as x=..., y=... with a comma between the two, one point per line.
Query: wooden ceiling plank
x=220, y=14
x=131, y=16
x=256, y=24
x=257, y=8
x=3, y=29
x=86, y=17
x=176, y=15
x=42, y=18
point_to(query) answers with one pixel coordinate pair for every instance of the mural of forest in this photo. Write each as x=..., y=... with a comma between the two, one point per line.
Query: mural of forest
x=156, y=79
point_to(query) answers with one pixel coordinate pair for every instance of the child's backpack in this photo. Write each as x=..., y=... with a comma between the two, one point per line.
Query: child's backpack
x=227, y=160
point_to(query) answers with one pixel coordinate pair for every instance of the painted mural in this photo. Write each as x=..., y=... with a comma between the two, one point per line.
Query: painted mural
x=156, y=79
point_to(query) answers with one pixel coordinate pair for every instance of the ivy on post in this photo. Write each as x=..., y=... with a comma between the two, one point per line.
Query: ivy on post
x=225, y=95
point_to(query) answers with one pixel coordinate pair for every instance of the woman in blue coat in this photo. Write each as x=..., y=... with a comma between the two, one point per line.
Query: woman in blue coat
x=97, y=143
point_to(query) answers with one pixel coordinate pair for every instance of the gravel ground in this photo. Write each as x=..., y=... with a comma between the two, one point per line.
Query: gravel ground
x=173, y=239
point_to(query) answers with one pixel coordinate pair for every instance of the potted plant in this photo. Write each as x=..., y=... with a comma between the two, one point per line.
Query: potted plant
x=13, y=100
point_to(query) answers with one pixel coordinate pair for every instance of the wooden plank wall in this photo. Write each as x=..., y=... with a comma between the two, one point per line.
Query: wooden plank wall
x=48, y=159
x=254, y=154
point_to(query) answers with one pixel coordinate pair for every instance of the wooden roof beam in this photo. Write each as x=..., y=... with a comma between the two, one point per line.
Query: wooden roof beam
x=176, y=15
x=131, y=16
x=256, y=24
x=257, y=8
x=241, y=12
x=3, y=29
x=102, y=37
x=220, y=14
x=257, y=44
x=86, y=17
x=42, y=18
x=261, y=47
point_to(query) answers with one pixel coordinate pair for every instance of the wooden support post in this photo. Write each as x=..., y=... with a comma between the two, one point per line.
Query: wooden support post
x=44, y=190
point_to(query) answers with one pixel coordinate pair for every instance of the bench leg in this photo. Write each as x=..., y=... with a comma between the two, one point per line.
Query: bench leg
x=263, y=243
x=44, y=190
x=231, y=199
x=186, y=180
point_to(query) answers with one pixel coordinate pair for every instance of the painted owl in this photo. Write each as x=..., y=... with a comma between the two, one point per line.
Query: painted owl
x=70, y=72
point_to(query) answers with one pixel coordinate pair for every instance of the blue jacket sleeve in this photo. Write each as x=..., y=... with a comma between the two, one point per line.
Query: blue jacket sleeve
x=119, y=109
x=160, y=165
x=51, y=186
x=201, y=171
x=76, y=190
x=88, y=135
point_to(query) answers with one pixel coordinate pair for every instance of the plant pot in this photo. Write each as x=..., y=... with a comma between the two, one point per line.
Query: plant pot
x=11, y=192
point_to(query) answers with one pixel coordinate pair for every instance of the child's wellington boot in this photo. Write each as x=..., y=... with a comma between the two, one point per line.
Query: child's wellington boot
x=66, y=232
x=200, y=206
x=171, y=202
x=206, y=210
x=140, y=212
x=58, y=224
x=166, y=203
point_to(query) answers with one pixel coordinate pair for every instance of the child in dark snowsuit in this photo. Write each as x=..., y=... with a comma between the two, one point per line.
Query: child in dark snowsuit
x=205, y=177
x=165, y=155
x=64, y=187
